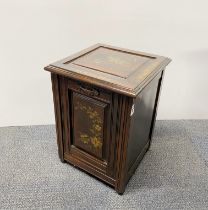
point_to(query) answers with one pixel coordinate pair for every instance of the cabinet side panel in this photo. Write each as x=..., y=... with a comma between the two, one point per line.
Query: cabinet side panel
x=141, y=121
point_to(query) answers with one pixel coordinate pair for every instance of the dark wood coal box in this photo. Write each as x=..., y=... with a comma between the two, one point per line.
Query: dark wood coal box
x=105, y=101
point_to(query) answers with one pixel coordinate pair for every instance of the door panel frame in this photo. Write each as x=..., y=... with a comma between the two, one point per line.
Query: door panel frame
x=76, y=156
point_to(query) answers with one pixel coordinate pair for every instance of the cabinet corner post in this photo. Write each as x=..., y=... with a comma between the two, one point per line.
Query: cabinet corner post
x=57, y=111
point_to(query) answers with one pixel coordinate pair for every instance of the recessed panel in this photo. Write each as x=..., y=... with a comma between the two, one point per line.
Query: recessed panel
x=88, y=118
x=110, y=61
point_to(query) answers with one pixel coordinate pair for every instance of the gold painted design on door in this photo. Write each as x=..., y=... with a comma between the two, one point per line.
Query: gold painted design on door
x=94, y=139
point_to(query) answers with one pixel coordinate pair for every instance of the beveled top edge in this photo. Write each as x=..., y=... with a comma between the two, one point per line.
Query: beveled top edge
x=124, y=87
x=98, y=82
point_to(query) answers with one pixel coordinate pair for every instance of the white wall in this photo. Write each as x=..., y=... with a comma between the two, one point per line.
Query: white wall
x=34, y=33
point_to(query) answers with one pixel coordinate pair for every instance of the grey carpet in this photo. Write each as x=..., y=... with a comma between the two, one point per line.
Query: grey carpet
x=173, y=174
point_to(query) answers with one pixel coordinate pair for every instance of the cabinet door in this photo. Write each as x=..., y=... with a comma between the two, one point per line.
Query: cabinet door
x=87, y=116
x=89, y=122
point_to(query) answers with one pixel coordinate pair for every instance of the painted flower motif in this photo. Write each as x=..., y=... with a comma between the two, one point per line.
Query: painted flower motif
x=84, y=138
x=98, y=61
x=96, y=142
x=95, y=138
x=117, y=61
x=97, y=128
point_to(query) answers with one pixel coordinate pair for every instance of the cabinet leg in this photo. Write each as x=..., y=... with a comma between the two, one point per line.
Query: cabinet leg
x=61, y=155
x=120, y=188
x=120, y=191
x=149, y=144
x=62, y=160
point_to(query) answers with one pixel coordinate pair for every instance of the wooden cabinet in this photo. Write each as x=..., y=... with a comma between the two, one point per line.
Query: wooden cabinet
x=105, y=101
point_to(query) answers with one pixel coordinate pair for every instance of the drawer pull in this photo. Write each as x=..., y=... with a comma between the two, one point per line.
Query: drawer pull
x=89, y=91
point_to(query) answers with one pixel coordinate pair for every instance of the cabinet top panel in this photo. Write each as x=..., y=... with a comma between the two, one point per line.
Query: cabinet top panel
x=111, y=61
x=121, y=70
